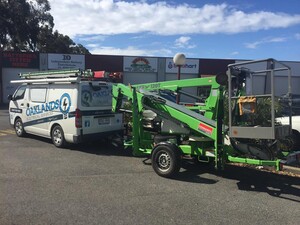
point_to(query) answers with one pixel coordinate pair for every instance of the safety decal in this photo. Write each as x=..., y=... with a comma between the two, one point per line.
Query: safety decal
x=204, y=128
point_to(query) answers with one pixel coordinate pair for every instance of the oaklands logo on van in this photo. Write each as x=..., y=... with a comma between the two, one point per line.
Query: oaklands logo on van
x=63, y=104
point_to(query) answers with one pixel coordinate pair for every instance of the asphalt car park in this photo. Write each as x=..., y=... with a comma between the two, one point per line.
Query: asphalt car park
x=96, y=183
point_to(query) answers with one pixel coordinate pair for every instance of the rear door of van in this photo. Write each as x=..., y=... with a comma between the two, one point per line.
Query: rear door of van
x=96, y=108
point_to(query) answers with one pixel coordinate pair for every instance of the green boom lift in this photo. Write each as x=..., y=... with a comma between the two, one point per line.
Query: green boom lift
x=169, y=132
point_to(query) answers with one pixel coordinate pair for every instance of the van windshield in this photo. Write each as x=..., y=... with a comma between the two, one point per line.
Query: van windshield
x=96, y=95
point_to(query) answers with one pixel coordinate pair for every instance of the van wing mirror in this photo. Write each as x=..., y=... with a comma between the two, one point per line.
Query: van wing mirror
x=9, y=97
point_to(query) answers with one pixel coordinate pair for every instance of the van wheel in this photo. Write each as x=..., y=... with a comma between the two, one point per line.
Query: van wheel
x=19, y=128
x=58, y=137
x=166, y=160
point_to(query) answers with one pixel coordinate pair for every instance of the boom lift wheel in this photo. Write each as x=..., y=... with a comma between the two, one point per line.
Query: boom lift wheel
x=58, y=137
x=166, y=159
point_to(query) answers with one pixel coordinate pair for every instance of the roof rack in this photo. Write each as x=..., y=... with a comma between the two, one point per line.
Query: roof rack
x=47, y=80
x=58, y=74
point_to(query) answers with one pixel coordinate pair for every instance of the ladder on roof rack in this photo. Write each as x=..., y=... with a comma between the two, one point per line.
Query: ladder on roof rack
x=58, y=74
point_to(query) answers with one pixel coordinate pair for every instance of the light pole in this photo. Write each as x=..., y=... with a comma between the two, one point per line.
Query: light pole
x=179, y=61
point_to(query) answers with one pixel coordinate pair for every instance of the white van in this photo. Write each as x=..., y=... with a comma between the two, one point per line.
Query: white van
x=67, y=107
x=286, y=120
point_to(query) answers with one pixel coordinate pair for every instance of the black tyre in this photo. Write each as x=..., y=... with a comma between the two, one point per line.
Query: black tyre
x=19, y=128
x=58, y=137
x=166, y=160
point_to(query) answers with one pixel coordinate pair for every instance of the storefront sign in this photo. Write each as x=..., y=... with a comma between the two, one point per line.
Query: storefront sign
x=66, y=61
x=140, y=64
x=20, y=60
x=190, y=66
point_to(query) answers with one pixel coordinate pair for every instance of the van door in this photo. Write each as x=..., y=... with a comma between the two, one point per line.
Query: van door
x=18, y=105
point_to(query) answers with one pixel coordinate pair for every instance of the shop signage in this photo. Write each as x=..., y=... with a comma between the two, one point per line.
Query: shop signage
x=66, y=61
x=140, y=64
x=190, y=66
x=20, y=60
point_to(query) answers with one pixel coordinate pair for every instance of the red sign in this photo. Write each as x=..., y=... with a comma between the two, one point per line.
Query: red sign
x=20, y=60
x=206, y=129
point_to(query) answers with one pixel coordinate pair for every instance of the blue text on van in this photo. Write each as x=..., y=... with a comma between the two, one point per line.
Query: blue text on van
x=38, y=109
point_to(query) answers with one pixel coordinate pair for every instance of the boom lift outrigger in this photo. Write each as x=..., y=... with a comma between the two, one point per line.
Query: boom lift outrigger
x=169, y=132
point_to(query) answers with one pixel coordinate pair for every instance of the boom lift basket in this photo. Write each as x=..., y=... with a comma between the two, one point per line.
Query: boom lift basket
x=249, y=97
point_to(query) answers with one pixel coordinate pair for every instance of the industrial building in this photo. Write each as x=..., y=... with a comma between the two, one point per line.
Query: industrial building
x=134, y=69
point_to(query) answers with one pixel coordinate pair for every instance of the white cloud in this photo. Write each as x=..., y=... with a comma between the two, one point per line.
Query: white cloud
x=234, y=53
x=129, y=51
x=255, y=44
x=91, y=38
x=109, y=17
x=184, y=42
x=117, y=51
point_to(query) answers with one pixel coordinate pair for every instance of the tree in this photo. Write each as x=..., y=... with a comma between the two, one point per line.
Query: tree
x=28, y=26
x=55, y=42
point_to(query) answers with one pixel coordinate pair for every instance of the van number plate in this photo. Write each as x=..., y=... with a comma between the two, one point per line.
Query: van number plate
x=104, y=120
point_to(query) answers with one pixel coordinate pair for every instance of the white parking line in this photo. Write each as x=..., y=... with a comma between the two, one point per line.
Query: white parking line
x=6, y=132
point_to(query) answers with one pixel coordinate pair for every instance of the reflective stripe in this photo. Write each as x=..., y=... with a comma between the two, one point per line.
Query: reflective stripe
x=44, y=120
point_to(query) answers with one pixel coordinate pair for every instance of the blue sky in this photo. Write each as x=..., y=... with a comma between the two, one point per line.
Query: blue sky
x=233, y=29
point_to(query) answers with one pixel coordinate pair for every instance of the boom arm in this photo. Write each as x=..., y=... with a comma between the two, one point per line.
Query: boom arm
x=202, y=125
x=194, y=120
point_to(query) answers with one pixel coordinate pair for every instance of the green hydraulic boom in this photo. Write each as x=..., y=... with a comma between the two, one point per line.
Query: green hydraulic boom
x=160, y=124
x=170, y=132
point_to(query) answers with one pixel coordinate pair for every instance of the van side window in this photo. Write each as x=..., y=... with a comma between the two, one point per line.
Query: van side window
x=19, y=94
x=38, y=94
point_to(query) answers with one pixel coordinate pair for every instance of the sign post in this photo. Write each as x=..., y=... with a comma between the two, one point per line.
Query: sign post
x=179, y=61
